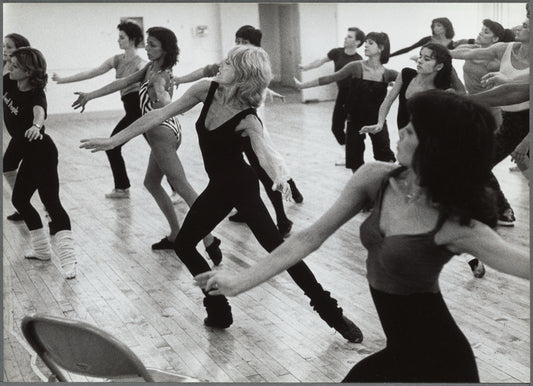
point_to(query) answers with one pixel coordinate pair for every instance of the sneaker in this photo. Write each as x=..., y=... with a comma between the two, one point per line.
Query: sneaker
x=15, y=216
x=164, y=243
x=175, y=197
x=118, y=193
x=477, y=267
x=296, y=195
x=214, y=252
x=237, y=217
x=340, y=163
x=68, y=267
x=507, y=218
x=350, y=331
x=285, y=228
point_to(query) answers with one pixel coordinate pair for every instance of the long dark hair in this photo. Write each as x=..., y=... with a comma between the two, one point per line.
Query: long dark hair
x=33, y=61
x=453, y=160
x=447, y=24
x=169, y=44
x=443, y=79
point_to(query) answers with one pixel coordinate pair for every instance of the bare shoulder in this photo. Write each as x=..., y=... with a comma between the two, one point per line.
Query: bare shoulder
x=200, y=89
x=250, y=124
x=371, y=176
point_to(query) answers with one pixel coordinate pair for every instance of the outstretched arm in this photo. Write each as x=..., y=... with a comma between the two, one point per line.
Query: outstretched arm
x=497, y=78
x=346, y=72
x=385, y=108
x=361, y=186
x=314, y=64
x=481, y=241
x=194, y=95
x=110, y=88
x=102, y=69
x=507, y=94
x=205, y=72
x=493, y=52
x=419, y=43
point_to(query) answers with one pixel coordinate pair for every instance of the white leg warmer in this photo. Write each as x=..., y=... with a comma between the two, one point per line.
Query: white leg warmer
x=63, y=246
x=40, y=245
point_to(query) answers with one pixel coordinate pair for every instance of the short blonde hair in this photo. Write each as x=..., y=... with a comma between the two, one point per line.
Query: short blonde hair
x=252, y=74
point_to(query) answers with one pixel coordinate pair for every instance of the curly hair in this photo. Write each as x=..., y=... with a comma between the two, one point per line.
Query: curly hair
x=252, y=74
x=253, y=35
x=442, y=56
x=132, y=30
x=453, y=159
x=447, y=24
x=32, y=61
x=381, y=39
x=18, y=40
x=169, y=44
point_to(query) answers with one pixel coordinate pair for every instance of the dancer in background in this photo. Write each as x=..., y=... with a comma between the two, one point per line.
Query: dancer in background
x=430, y=208
x=433, y=71
x=340, y=57
x=368, y=82
x=25, y=109
x=441, y=33
x=13, y=155
x=130, y=36
x=165, y=137
x=227, y=116
x=514, y=63
x=250, y=35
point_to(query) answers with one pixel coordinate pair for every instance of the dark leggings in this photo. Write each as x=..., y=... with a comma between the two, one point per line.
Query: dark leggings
x=274, y=196
x=116, y=161
x=338, y=120
x=214, y=204
x=424, y=343
x=12, y=156
x=514, y=128
x=38, y=171
x=355, y=146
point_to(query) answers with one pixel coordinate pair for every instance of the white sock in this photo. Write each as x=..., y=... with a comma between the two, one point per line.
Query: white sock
x=63, y=246
x=40, y=245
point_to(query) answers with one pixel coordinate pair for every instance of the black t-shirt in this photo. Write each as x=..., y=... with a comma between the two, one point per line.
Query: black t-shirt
x=18, y=107
x=340, y=59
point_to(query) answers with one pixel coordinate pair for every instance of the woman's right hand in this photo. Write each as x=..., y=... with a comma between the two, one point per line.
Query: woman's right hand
x=56, y=78
x=82, y=100
x=97, y=144
x=371, y=129
x=218, y=282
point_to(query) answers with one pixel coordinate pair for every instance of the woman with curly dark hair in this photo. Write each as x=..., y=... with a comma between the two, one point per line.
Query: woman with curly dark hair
x=432, y=207
x=441, y=33
x=155, y=92
x=433, y=71
x=25, y=108
x=130, y=36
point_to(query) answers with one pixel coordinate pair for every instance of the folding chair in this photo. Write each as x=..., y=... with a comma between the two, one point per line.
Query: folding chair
x=77, y=347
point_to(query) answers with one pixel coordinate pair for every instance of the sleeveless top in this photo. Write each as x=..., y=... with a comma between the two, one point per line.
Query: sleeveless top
x=408, y=74
x=124, y=68
x=402, y=264
x=221, y=147
x=146, y=106
x=506, y=68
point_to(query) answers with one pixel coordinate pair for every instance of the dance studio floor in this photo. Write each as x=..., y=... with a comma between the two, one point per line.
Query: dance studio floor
x=147, y=299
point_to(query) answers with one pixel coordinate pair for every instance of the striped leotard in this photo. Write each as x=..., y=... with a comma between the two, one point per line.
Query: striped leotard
x=146, y=106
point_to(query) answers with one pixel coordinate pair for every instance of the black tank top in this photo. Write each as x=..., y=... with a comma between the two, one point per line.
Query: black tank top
x=221, y=147
x=408, y=74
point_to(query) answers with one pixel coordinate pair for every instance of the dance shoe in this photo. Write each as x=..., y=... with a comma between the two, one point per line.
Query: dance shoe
x=349, y=331
x=218, y=312
x=214, y=252
x=164, y=243
x=15, y=216
x=118, y=193
x=507, y=218
x=477, y=267
x=296, y=195
x=285, y=227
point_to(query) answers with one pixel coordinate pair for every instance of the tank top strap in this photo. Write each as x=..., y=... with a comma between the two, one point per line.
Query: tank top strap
x=208, y=100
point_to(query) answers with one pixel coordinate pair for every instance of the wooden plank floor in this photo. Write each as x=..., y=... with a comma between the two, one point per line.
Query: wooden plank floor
x=147, y=299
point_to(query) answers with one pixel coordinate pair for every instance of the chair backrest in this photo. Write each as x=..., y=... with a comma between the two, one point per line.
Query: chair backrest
x=80, y=348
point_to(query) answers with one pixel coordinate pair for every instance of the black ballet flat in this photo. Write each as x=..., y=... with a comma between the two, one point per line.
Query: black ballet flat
x=237, y=217
x=15, y=217
x=214, y=252
x=349, y=331
x=285, y=228
x=163, y=244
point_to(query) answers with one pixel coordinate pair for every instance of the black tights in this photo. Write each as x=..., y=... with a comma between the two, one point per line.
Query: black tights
x=38, y=172
x=214, y=204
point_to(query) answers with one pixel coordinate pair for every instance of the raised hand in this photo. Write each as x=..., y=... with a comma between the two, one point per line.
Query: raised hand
x=57, y=78
x=371, y=129
x=82, y=100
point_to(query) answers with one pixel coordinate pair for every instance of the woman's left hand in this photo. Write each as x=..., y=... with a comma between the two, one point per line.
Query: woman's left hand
x=218, y=282
x=33, y=133
x=97, y=144
x=519, y=154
